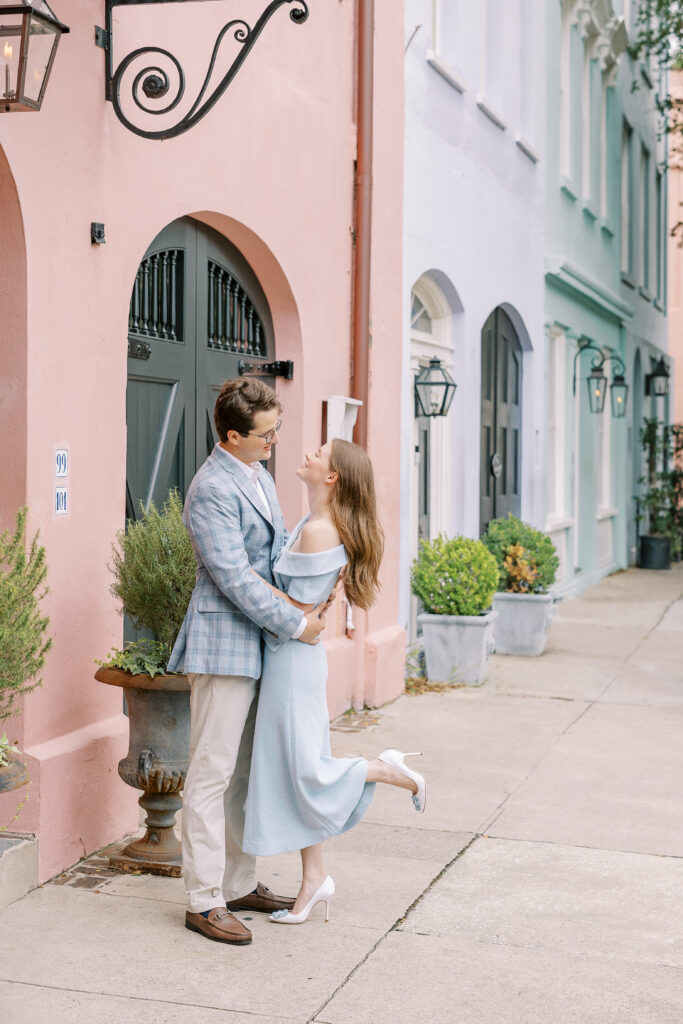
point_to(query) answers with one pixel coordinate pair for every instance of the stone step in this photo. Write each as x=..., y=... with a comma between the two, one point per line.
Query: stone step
x=18, y=866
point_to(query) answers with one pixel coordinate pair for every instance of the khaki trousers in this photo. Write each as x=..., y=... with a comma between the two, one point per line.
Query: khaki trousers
x=223, y=710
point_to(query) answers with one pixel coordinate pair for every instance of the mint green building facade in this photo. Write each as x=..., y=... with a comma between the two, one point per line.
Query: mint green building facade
x=605, y=247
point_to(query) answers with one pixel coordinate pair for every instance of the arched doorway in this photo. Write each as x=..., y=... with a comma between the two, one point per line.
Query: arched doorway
x=431, y=464
x=13, y=347
x=196, y=310
x=501, y=419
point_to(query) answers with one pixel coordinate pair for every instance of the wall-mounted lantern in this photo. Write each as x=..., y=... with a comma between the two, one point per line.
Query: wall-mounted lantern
x=434, y=390
x=618, y=395
x=151, y=87
x=29, y=37
x=597, y=379
x=657, y=381
x=597, y=389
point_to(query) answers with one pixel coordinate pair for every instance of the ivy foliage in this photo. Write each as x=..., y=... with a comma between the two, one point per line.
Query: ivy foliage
x=154, y=570
x=503, y=538
x=141, y=657
x=23, y=630
x=455, y=576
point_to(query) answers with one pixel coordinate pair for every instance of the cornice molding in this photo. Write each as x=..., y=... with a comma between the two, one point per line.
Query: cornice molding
x=569, y=278
x=603, y=30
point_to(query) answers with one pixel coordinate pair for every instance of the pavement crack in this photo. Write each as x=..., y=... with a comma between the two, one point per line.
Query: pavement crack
x=396, y=926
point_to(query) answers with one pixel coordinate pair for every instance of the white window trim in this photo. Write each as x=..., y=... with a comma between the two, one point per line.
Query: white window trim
x=557, y=352
x=435, y=57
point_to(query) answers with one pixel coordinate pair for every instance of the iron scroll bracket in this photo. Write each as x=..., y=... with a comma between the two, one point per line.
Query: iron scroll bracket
x=153, y=81
x=279, y=368
x=603, y=355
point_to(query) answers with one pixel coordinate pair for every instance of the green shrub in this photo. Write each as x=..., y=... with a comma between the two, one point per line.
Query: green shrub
x=154, y=571
x=23, y=640
x=456, y=576
x=539, y=553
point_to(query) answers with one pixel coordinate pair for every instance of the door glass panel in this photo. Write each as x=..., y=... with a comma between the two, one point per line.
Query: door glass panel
x=486, y=446
x=505, y=367
x=515, y=460
x=503, y=478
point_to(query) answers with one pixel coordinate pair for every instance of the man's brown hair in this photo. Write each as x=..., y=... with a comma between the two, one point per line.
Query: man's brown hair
x=239, y=401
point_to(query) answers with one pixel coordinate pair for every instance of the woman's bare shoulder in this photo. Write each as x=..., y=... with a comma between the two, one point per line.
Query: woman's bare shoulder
x=319, y=535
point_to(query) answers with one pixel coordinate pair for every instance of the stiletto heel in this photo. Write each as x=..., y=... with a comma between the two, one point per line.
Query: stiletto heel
x=323, y=894
x=395, y=759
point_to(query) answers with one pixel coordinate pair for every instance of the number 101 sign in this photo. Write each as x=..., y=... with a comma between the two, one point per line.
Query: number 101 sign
x=61, y=505
x=61, y=501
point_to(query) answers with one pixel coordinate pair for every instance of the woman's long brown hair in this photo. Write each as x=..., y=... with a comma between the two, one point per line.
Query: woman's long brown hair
x=354, y=512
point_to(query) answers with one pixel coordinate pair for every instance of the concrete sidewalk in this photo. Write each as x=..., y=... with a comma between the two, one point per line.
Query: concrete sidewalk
x=543, y=885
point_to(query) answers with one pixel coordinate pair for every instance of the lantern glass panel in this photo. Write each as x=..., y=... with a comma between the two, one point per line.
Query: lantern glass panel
x=42, y=41
x=597, y=386
x=618, y=395
x=10, y=51
x=660, y=385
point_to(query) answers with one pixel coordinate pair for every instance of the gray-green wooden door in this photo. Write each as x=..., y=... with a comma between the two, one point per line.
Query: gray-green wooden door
x=196, y=310
x=501, y=419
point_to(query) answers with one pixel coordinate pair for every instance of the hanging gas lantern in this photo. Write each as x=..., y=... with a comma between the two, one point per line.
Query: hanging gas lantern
x=618, y=395
x=597, y=388
x=29, y=37
x=434, y=390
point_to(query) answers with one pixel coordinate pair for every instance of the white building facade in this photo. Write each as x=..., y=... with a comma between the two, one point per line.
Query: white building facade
x=473, y=267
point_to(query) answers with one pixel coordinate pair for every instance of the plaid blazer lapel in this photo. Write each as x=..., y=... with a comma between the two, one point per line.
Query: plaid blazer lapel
x=245, y=486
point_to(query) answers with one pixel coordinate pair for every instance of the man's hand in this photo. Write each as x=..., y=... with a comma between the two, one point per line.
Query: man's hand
x=315, y=623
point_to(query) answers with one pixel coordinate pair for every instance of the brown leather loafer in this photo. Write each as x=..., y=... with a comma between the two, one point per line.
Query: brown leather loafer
x=263, y=901
x=220, y=926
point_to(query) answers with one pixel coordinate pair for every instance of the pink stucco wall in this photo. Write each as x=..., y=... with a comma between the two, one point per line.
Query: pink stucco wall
x=272, y=168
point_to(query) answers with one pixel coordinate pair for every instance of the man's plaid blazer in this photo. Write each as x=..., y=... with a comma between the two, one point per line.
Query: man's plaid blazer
x=230, y=534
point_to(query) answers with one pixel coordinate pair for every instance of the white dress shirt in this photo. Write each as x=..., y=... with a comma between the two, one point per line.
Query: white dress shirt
x=252, y=471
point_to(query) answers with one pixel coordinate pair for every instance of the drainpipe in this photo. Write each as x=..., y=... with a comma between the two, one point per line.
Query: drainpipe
x=361, y=282
x=363, y=218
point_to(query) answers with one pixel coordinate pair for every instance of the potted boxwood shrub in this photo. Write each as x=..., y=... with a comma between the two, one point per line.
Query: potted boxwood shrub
x=660, y=497
x=23, y=639
x=527, y=564
x=154, y=573
x=455, y=579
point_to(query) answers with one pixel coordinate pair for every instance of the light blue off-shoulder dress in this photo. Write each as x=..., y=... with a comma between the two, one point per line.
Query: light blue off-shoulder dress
x=298, y=793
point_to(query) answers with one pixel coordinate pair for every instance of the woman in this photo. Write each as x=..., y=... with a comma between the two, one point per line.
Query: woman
x=299, y=794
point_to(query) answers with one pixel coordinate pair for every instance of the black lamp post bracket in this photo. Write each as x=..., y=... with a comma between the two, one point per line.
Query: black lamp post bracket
x=598, y=361
x=597, y=378
x=153, y=81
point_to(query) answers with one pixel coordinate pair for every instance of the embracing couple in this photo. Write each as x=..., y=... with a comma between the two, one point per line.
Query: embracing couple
x=262, y=779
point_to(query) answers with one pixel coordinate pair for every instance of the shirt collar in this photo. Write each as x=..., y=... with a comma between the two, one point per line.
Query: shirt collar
x=250, y=469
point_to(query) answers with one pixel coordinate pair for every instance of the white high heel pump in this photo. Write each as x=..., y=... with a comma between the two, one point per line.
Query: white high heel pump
x=396, y=759
x=323, y=894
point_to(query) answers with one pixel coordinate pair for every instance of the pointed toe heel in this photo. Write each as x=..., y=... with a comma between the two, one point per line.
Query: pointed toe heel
x=396, y=760
x=323, y=894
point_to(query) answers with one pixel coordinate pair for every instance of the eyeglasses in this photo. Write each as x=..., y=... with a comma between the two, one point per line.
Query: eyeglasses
x=266, y=437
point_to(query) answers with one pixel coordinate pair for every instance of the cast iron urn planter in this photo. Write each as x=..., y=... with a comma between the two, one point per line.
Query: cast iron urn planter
x=157, y=762
x=13, y=775
x=655, y=553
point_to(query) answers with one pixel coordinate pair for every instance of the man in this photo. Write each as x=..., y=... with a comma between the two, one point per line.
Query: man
x=235, y=524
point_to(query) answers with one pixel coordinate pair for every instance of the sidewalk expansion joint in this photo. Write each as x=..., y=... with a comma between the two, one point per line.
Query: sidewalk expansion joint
x=396, y=926
x=147, y=999
x=582, y=846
